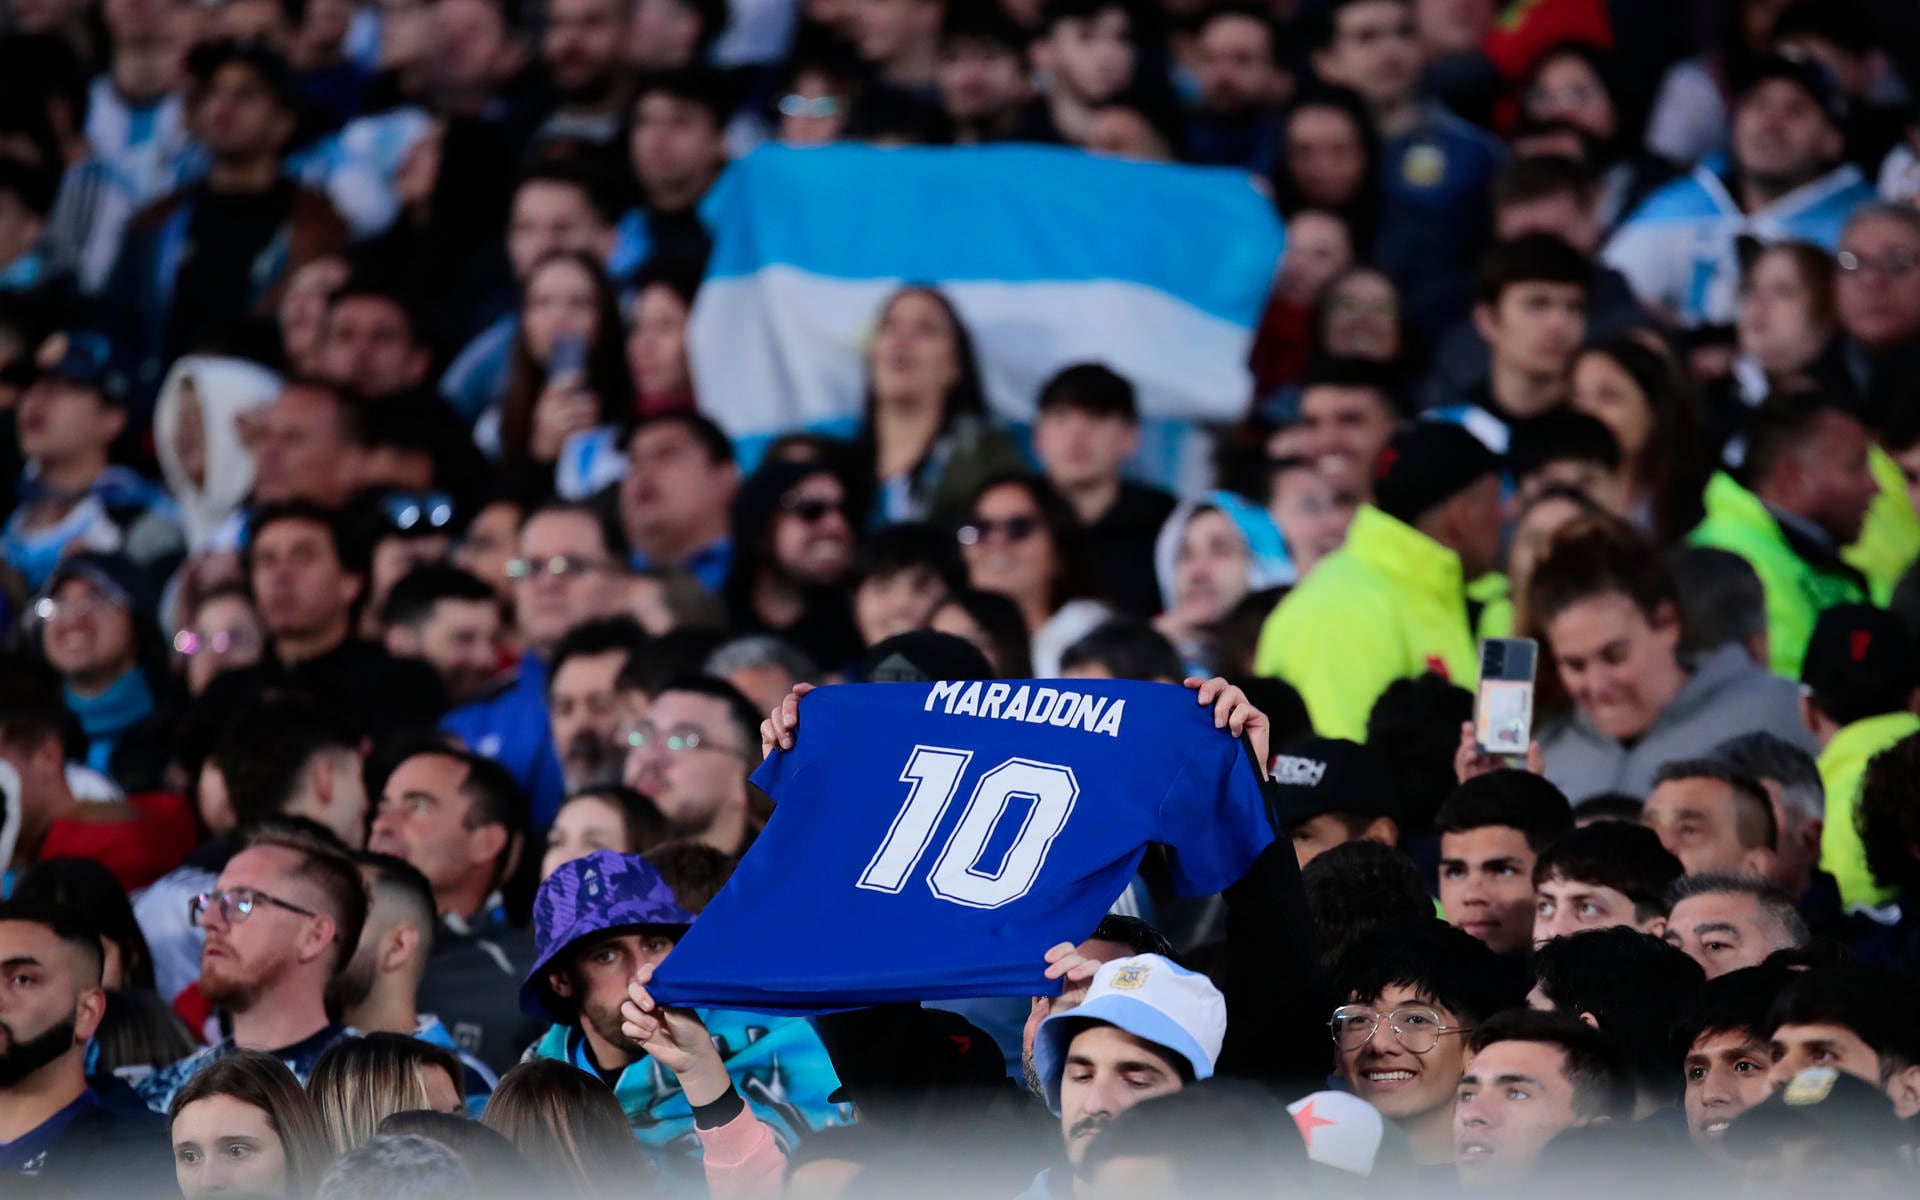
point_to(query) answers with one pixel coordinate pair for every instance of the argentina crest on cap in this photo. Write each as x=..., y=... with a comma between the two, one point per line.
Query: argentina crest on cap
x=1131, y=978
x=1809, y=1087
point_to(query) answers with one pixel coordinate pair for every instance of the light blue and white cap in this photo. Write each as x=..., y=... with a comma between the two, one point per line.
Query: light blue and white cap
x=1152, y=999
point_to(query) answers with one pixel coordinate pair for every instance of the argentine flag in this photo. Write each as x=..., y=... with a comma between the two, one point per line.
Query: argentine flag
x=1052, y=257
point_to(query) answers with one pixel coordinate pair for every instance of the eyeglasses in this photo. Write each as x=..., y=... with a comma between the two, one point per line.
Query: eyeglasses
x=1016, y=529
x=47, y=608
x=810, y=509
x=676, y=740
x=1895, y=264
x=792, y=105
x=1419, y=1029
x=560, y=566
x=189, y=643
x=405, y=511
x=237, y=904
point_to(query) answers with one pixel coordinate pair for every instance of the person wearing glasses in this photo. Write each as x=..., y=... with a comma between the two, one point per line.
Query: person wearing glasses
x=795, y=526
x=1414, y=990
x=1877, y=295
x=221, y=633
x=405, y=529
x=282, y=922
x=1020, y=539
x=692, y=755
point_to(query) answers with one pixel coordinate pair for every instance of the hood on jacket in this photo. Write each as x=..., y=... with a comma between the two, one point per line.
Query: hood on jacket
x=1269, y=564
x=223, y=389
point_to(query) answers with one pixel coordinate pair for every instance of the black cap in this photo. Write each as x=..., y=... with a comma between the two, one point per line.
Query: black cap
x=1860, y=653
x=1319, y=775
x=84, y=359
x=1424, y=465
x=923, y=656
x=1820, y=1102
x=929, y=1050
x=1812, y=76
x=117, y=580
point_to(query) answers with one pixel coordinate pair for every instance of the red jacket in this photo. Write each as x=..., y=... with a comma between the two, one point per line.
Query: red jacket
x=138, y=841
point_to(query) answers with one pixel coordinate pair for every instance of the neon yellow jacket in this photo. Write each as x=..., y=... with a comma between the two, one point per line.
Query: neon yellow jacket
x=1890, y=539
x=1389, y=604
x=1797, y=590
x=1843, y=766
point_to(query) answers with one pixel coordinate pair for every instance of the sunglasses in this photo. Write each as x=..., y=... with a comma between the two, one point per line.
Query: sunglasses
x=811, y=510
x=1016, y=529
x=560, y=566
x=817, y=107
x=406, y=511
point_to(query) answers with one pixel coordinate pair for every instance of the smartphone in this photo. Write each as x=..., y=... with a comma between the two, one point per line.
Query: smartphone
x=569, y=357
x=1503, y=710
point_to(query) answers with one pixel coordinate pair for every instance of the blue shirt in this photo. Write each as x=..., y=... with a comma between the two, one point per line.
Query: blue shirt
x=709, y=564
x=931, y=841
x=25, y=1154
x=512, y=728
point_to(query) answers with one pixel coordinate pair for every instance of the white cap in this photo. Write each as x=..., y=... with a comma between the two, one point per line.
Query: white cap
x=1178, y=1010
x=1340, y=1129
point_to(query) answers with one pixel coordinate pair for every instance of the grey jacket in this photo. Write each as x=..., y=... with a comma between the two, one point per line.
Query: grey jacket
x=1726, y=695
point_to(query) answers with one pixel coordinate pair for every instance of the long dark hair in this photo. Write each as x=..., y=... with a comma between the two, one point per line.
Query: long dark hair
x=1075, y=576
x=1674, y=464
x=1629, y=103
x=1362, y=212
x=606, y=366
x=966, y=398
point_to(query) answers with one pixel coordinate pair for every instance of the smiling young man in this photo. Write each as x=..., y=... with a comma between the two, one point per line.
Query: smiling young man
x=1533, y=1077
x=1599, y=876
x=1726, y=1060
x=1492, y=830
x=1412, y=992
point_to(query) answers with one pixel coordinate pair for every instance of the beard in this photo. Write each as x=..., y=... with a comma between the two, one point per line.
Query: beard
x=22, y=1058
x=1037, y=1089
x=589, y=761
x=225, y=987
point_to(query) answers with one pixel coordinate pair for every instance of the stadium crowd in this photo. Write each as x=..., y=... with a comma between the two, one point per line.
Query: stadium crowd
x=391, y=620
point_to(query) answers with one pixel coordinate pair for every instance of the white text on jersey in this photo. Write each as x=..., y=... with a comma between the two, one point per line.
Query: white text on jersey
x=1035, y=706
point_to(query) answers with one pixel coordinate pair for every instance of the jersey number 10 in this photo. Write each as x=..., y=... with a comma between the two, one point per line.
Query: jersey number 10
x=958, y=875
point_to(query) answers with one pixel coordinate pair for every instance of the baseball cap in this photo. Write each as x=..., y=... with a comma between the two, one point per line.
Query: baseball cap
x=1813, y=78
x=924, y=656
x=117, y=580
x=1861, y=653
x=585, y=897
x=84, y=359
x=1425, y=464
x=932, y=1051
x=1322, y=775
x=1819, y=1102
x=1149, y=997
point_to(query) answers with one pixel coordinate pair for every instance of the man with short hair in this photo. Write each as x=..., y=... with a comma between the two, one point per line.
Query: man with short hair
x=1435, y=168
x=1712, y=818
x=1854, y=1017
x=1532, y=314
x=1799, y=796
x=1857, y=696
x=900, y=40
x=899, y=578
x=70, y=495
x=674, y=500
x=677, y=146
x=1785, y=180
x=692, y=757
x=449, y=620
x=1631, y=986
x=761, y=667
x=1392, y=601
x=285, y=756
x=982, y=73
x=459, y=819
x=1146, y=1028
x=1123, y=650
x=1492, y=830
x=1348, y=410
x=1808, y=485
x=308, y=574
x=1563, y=448
x=371, y=341
x=1725, y=1059
x=1533, y=1077
x=1328, y=792
x=1722, y=602
x=566, y=573
x=281, y=923
x=1727, y=922
x=1243, y=81
x=1087, y=428
x=1877, y=298
x=584, y=700
x=602, y=923
x=583, y=47
x=55, y=1124
x=310, y=445
x=1412, y=991
x=379, y=990
x=1600, y=876
x=1090, y=49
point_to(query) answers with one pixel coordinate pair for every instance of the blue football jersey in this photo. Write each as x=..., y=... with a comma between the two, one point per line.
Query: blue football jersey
x=932, y=840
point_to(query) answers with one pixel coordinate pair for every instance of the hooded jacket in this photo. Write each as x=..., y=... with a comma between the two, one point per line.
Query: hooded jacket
x=225, y=389
x=1726, y=694
x=1843, y=769
x=1389, y=604
x=1801, y=577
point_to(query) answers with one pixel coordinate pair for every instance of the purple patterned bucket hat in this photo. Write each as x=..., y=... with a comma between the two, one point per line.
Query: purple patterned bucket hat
x=585, y=897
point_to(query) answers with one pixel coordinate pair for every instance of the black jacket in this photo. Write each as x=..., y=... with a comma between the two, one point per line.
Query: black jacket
x=1121, y=542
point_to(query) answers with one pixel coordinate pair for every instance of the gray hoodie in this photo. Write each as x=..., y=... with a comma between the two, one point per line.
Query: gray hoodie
x=1726, y=695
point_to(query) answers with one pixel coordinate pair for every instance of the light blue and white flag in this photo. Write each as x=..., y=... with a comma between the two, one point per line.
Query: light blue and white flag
x=1051, y=256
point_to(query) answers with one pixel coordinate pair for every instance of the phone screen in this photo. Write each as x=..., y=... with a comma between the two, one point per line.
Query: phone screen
x=568, y=357
x=1503, y=710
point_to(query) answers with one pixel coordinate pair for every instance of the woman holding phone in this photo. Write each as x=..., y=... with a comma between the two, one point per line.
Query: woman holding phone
x=568, y=389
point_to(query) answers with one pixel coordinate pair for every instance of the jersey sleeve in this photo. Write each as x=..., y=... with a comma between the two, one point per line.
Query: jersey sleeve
x=1214, y=818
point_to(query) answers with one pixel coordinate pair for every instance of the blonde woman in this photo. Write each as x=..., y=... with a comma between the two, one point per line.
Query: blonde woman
x=362, y=1081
